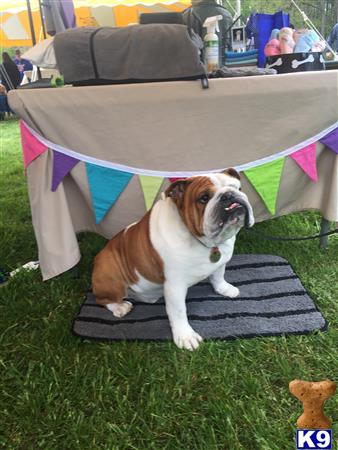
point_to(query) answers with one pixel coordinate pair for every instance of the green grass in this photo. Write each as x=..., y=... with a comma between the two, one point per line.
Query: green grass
x=58, y=392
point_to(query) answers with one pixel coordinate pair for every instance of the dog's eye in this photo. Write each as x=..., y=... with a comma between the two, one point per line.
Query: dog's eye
x=240, y=188
x=204, y=199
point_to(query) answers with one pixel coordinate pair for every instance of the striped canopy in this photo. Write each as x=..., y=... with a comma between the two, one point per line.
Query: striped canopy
x=14, y=25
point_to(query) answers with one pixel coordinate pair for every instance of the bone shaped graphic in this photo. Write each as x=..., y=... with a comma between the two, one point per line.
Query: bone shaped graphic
x=313, y=396
x=296, y=63
x=278, y=62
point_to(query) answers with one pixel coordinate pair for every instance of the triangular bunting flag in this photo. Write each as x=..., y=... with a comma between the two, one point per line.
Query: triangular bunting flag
x=150, y=187
x=172, y=180
x=105, y=185
x=62, y=165
x=265, y=179
x=306, y=159
x=331, y=140
x=31, y=147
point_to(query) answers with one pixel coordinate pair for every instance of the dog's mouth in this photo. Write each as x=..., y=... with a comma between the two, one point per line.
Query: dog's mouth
x=233, y=207
x=233, y=213
x=227, y=216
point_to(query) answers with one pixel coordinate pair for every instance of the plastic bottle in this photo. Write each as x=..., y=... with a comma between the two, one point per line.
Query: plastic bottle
x=211, y=43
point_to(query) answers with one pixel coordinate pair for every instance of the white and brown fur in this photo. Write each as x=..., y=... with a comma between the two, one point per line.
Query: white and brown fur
x=168, y=250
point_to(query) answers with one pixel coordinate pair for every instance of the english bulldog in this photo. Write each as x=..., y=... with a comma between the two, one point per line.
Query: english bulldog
x=187, y=236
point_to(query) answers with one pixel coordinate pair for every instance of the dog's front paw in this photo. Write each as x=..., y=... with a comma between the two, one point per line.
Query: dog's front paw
x=187, y=339
x=227, y=290
x=120, y=309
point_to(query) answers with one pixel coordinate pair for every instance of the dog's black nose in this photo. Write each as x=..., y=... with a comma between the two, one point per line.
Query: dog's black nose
x=227, y=198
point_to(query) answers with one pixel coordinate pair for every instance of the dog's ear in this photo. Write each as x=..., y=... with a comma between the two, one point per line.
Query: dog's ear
x=177, y=189
x=232, y=172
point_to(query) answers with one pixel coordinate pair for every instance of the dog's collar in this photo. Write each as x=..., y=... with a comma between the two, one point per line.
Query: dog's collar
x=215, y=253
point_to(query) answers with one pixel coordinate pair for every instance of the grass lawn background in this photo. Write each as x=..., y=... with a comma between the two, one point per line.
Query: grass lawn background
x=58, y=392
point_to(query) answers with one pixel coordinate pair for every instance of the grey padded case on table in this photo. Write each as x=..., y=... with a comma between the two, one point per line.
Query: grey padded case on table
x=138, y=53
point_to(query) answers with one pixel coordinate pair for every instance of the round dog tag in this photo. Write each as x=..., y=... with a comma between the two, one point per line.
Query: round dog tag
x=215, y=255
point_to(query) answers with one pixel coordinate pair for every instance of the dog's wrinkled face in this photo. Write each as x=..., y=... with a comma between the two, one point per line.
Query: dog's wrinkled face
x=213, y=207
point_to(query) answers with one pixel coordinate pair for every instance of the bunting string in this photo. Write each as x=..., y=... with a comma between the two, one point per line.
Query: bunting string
x=108, y=180
x=332, y=130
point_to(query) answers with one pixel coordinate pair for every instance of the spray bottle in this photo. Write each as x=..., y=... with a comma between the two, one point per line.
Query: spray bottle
x=211, y=44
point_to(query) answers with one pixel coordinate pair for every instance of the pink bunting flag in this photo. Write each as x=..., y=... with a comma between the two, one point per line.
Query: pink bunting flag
x=306, y=159
x=31, y=147
x=172, y=180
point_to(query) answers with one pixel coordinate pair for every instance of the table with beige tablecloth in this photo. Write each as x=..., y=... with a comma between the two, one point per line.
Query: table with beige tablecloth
x=173, y=126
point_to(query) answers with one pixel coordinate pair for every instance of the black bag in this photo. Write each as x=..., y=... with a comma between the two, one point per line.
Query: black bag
x=137, y=53
x=195, y=16
x=161, y=17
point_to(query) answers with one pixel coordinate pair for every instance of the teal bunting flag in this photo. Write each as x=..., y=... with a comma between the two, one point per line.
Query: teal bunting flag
x=105, y=186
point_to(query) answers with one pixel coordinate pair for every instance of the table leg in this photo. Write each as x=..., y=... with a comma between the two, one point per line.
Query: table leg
x=324, y=228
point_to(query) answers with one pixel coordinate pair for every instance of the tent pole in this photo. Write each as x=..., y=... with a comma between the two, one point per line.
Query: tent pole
x=42, y=21
x=312, y=26
x=229, y=5
x=30, y=17
x=31, y=24
x=238, y=9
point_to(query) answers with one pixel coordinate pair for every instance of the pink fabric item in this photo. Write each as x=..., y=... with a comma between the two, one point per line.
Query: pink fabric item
x=31, y=147
x=287, y=43
x=306, y=159
x=272, y=48
x=319, y=46
x=172, y=180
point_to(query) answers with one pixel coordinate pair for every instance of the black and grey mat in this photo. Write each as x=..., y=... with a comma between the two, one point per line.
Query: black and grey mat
x=273, y=301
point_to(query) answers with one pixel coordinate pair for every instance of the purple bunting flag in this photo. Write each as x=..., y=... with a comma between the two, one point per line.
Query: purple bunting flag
x=331, y=140
x=62, y=165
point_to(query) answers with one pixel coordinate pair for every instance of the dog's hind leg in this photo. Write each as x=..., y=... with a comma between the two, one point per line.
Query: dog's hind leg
x=109, y=287
x=120, y=309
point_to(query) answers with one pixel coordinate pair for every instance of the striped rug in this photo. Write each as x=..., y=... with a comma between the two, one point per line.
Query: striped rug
x=272, y=302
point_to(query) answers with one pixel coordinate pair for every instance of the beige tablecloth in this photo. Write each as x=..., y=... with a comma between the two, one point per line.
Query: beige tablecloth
x=173, y=126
